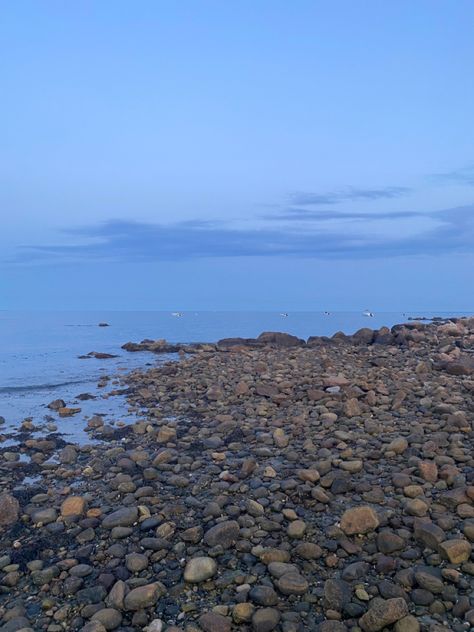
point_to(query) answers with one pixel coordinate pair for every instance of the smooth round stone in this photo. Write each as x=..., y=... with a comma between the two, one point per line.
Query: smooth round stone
x=265, y=620
x=292, y=584
x=263, y=596
x=81, y=570
x=200, y=569
x=296, y=529
x=108, y=617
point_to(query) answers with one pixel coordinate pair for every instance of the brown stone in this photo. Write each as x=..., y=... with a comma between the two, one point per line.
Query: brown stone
x=359, y=520
x=428, y=471
x=456, y=551
x=9, y=509
x=383, y=613
x=213, y=622
x=73, y=506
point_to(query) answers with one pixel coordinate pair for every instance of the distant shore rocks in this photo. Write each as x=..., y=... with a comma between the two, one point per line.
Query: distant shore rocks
x=98, y=355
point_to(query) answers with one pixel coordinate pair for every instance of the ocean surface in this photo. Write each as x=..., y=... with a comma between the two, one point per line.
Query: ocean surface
x=39, y=354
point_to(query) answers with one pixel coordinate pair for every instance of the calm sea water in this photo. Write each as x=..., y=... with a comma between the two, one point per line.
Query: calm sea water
x=39, y=351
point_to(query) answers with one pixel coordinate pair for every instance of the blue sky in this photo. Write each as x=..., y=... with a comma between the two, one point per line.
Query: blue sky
x=237, y=155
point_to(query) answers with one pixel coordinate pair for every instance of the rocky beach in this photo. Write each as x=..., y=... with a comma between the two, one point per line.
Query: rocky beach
x=267, y=484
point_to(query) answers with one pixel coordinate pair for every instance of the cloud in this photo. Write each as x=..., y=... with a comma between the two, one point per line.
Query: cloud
x=464, y=175
x=302, y=214
x=448, y=231
x=347, y=194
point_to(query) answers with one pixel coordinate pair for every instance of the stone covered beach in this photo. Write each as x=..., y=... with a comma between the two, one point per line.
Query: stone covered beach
x=269, y=484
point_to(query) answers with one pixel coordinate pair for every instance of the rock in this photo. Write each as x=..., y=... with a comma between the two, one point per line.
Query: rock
x=108, y=617
x=68, y=455
x=332, y=626
x=123, y=517
x=93, y=626
x=359, y=520
x=456, y=551
x=430, y=534
x=242, y=612
x=136, y=562
x=73, y=506
x=9, y=509
x=68, y=411
x=199, y=569
x=337, y=594
x=416, y=507
x=280, y=438
x=224, y=533
x=292, y=584
x=154, y=626
x=383, y=613
x=45, y=516
x=265, y=619
x=389, y=542
x=213, y=622
x=116, y=596
x=296, y=529
x=280, y=339
x=407, y=624
x=352, y=408
x=263, y=596
x=428, y=471
x=56, y=404
x=143, y=596
x=397, y=445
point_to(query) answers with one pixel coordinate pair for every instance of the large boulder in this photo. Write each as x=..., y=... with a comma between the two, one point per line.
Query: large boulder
x=278, y=339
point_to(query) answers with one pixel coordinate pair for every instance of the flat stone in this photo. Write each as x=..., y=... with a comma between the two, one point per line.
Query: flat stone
x=123, y=517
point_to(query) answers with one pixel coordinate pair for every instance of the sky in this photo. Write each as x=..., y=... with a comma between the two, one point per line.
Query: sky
x=266, y=155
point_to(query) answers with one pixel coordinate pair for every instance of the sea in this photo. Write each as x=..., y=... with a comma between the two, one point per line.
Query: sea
x=39, y=355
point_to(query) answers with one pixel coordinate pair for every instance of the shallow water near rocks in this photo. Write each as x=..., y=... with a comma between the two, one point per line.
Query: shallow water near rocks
x=39, y=359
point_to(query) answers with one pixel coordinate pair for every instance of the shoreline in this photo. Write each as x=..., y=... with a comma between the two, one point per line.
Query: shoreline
x=272, y=484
